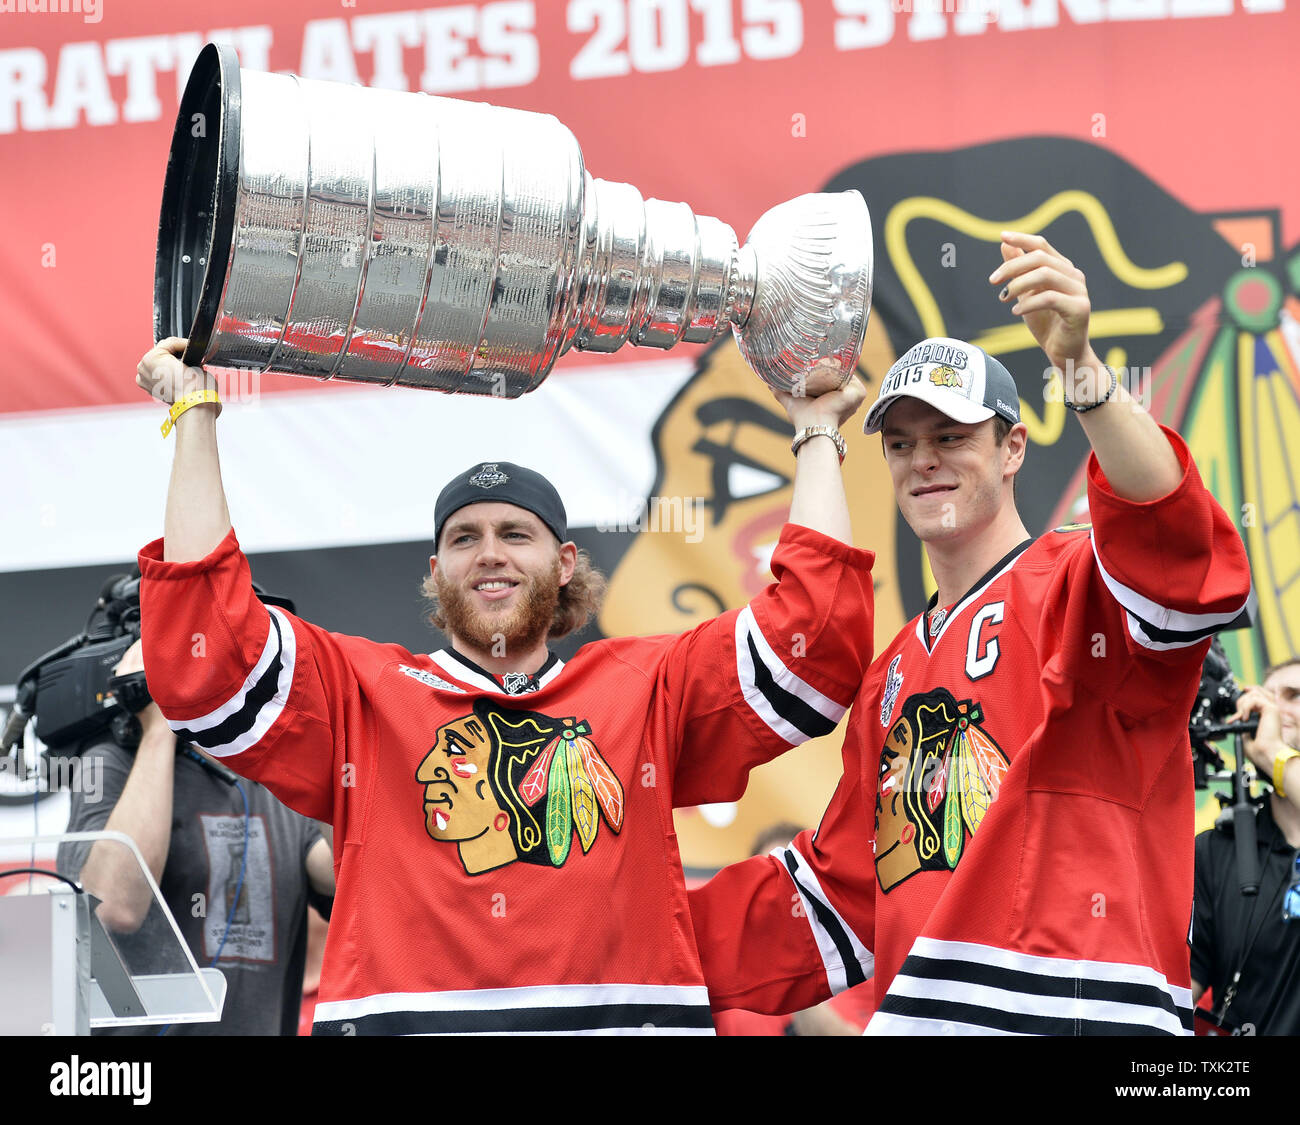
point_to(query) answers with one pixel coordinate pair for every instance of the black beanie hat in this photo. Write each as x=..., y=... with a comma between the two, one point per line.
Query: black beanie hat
x=502, y=483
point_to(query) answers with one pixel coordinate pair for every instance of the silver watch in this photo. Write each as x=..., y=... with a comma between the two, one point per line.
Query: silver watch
x=815, y=431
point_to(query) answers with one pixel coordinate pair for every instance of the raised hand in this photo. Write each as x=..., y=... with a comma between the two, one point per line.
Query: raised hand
x=162, y=375
x=1048, y=292
x=833, y=408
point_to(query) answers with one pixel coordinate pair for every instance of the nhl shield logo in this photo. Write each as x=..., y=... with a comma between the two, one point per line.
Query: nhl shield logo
x=516, y=683
x=489, y=476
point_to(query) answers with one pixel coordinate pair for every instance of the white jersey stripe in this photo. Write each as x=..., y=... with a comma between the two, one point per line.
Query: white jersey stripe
x=268, y=713
x=554, y=671
x=474, y=678
x=237, y=702
x=888, y=1023
x=1031, y=1004
x=1162, y=617
x=757, y=701
x=502, y=999
x=746, y=671
x=1118, y=972
x=784, y=677
x=464, y=673
x=1139, y=634
x=939, y=975
x=812, y=898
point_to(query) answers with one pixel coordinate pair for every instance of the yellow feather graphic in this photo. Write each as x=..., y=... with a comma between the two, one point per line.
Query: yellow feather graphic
x=584, y=796
x=975, y=798
x=1269, y=432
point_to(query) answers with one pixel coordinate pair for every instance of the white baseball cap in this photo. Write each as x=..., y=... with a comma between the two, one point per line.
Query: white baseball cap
x=956, y=378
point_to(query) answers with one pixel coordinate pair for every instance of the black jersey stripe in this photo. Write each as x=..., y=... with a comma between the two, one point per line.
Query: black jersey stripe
x=592, y=1017
x=242, y=721
x=1186, y=637
x=826, y=918
x=811, y=722
x=1138, y=606
x=997, y=1019
x=1042, y=984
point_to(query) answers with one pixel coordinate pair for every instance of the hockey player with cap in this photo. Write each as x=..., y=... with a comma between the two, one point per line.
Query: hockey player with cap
x=1009, y=848
x=503, y=833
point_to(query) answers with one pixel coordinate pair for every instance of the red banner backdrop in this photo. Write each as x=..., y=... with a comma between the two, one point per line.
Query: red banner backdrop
x=728, y=105
x=1151, y=139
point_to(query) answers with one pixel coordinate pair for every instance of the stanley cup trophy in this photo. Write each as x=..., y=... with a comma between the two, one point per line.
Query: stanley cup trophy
x=313, y=228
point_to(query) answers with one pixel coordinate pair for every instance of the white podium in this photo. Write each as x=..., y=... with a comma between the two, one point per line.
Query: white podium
x=71, y=960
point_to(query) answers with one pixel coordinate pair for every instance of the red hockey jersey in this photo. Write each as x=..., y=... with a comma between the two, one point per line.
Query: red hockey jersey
x=506, y=859
x=1010, y=846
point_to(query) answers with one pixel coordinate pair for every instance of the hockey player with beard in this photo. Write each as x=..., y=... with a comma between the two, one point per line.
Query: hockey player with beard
x=503, y=836
x=1009, y=848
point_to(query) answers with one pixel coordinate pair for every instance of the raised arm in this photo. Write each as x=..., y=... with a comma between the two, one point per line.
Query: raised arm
x=819, y=501
x=257, y=688
x=754, y=682
x=1052, y=297
x=197, y=518
x=143, y=811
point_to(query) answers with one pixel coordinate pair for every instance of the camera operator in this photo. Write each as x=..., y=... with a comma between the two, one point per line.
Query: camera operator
x=1247, y=947
x=235, y=866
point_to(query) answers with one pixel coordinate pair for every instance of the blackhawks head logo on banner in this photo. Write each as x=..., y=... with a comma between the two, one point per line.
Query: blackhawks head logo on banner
x=1201, y=310
x=505, y=785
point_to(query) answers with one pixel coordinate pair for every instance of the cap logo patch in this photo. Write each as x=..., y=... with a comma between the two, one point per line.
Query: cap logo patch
x=489, y=476
x=945, y=376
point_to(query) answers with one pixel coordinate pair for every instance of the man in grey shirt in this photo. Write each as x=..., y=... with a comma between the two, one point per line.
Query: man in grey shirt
x=191, y=828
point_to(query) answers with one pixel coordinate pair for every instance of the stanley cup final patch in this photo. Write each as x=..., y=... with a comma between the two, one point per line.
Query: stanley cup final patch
x=429, y=678
x=489, y=476
x=893, y=685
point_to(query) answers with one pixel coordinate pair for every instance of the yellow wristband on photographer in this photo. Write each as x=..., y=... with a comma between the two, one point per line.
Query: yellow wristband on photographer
x=1279, y=768
x=191, y=399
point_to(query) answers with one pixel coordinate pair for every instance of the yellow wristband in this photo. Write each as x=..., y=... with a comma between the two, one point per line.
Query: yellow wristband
x=1279, y=768
x=191, y=399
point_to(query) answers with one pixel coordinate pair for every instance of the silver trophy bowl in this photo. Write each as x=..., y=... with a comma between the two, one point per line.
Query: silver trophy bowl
x=338, y=232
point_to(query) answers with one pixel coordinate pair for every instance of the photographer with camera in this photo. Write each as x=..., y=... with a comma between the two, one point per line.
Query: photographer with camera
x=1246, y=947
x=235, y=866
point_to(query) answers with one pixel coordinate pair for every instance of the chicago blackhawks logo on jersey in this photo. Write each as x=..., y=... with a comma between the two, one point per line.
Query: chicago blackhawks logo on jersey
x=939, y=772
x=506, y=785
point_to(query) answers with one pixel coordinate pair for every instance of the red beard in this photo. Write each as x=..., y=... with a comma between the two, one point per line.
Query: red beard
x=523, y=628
